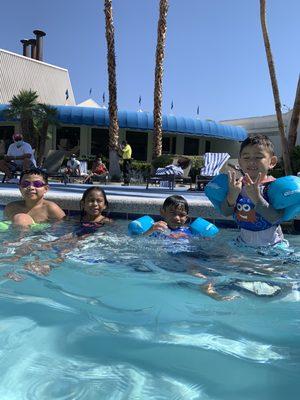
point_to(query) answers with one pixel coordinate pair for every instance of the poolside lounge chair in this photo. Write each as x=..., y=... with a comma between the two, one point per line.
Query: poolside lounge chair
x=167, y=177
x=52, y=165
x=213, y=163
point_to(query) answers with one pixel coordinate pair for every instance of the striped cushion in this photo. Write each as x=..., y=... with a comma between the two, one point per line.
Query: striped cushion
x=170, y=170
x=213, y=162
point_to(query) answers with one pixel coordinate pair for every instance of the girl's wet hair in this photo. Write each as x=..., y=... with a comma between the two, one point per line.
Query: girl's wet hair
x=176, y=202
x=35, y=171
x=86, y=193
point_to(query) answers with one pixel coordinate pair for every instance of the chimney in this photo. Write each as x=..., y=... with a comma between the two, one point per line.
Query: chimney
x=39, y=44
x=32, y=42
x=25, y=43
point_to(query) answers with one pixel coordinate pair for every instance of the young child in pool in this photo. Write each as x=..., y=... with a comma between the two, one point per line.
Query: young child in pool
x=92, y=205
x=174, y=211
x=247, y=198
x=33, y=208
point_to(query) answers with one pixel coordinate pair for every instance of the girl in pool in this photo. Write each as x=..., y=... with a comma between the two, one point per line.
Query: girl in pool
x=92, y=205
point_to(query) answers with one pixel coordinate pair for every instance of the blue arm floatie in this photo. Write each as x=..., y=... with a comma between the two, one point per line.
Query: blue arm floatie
x=284, y=193
x=199, y=227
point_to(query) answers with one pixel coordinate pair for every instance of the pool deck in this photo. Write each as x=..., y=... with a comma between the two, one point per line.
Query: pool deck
x=126, y=201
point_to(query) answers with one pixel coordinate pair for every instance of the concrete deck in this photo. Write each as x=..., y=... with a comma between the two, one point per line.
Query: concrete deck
x=126, y=201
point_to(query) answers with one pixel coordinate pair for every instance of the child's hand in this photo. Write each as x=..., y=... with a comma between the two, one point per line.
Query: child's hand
x=252, y=188
x=234, y=186
x=158, y=226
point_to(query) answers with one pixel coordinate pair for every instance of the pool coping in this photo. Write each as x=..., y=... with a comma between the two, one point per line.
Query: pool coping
x=127, y=203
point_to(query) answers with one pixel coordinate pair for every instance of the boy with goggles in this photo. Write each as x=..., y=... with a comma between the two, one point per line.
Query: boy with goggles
x=33, y=208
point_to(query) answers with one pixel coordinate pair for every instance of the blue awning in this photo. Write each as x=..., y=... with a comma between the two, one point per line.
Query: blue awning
x=142, y=120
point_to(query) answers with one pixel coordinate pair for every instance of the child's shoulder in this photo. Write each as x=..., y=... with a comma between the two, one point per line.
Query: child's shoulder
x=54, y=209
x=14, y=207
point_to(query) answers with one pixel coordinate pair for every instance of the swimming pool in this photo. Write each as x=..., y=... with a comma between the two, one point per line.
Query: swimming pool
x=126, y=318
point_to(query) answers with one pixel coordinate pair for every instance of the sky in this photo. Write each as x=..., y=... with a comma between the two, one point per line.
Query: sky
x=214, y=55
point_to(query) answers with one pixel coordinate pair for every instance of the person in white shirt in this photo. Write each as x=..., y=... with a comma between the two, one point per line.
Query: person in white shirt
x=19, y=157
x=73, y=166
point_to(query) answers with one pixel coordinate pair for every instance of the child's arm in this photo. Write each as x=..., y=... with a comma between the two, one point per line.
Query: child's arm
x=55, y=212
x=264, y=208
x=157, y=226
x=234, y=189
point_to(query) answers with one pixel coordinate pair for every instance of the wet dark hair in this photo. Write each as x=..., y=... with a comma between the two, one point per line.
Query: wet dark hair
x=86, y=193
x=261, y=140
x=35, y=171
x=176, y=202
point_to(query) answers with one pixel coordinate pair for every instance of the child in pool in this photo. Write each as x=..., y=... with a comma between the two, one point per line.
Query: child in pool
x=92, y=205
x=247, y=198
x=33, y=208
x=174, y=211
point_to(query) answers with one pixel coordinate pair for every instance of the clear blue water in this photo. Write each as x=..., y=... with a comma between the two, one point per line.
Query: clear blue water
x=124, y=318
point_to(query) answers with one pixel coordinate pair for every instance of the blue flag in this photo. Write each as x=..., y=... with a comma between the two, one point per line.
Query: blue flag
x=103, y=97
x=172, y=105
x=90, y=91
x=140, y=101
x=198, y=110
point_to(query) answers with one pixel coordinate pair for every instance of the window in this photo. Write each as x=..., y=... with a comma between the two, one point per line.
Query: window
x=100, y=141
x=138, y=142
x=68, y=139
x=191, y=146
x=169, y=145
x=207, y=146
x=6, y=133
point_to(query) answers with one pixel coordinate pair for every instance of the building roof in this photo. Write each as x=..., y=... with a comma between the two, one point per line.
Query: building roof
x=89, y=103
x=142, y=120
x=24, y=73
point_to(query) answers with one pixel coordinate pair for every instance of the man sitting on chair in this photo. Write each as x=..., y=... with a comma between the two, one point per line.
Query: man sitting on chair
x=73, y=166
x=19, y=157
x=98, y=170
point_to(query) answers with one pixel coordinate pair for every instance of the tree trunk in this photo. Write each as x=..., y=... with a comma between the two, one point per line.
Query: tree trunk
x=114, y=167
x=159, y=69
x=42, y=142
x=284, y=142
x=292, y=136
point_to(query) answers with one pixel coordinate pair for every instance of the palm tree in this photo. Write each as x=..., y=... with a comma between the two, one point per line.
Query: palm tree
x=21, y=107
x=292, y=136
x=159, y=69
x=45, y=116
x=114, y=167
x=284, y=142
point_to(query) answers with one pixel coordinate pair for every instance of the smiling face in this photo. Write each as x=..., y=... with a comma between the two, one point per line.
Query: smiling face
x=94, y=204
x=175, y=217
x=33, y=187
x=256, y=158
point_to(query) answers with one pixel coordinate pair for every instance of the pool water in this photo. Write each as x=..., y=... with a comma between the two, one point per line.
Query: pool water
x=128, y=318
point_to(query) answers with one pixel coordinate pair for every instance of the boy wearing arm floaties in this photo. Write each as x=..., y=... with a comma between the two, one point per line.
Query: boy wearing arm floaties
x=175, y=214
x=247, y=198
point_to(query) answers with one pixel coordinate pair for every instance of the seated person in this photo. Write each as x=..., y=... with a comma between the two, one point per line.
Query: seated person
x=98, y=170
x=19, y=157
x=174, y=169
x=33, y=208
x=73, y=166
